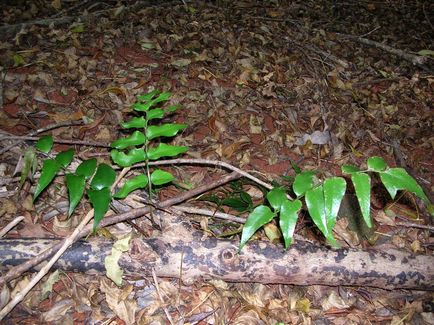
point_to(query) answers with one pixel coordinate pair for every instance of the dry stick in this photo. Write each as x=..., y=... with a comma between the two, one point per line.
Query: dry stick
x=50, y=127
x=417, y=60
x=20, y=269
x=62, y=141
x=219, y=215
x=65, y=244
x=10, y=225
x=157, y=287
x=212, y=163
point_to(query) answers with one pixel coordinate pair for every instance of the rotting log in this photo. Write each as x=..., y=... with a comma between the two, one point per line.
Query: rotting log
x=209, y=258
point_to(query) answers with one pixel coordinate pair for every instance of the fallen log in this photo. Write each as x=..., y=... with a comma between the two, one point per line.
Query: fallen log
x=205, y=258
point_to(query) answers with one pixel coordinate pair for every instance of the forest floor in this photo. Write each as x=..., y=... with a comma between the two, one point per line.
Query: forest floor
x=267, y=86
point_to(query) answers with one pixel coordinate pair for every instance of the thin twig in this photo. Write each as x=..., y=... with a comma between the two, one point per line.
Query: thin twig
x=157, y=287
x=415, y=225
x=219, y=215
x=65, y=244
x=10, y=225
x=47, y=128
x=62, y=141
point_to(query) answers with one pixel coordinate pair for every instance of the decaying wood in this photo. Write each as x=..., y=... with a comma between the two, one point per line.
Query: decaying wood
x=199, y=258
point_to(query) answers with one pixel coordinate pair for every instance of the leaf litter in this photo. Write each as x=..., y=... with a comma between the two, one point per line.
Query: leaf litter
x=263, y=85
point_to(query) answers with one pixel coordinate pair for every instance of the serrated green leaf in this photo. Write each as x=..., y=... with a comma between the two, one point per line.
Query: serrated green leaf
x=165, y=150
x=104, y=177
x=126, y=160
x=100, y=200
x=64, y=158
x=395, y=179
x=86, y=168
x=29, y=160
x=160, y=177
x=362, y=185
x=303, y=182
x=49, y=170
x=288, y=219
x=376, y=164
x=135, y=122
x=276, y=197
x=259, y=217
x=131, y=185
x=137, y=138
x=315, y=203
x=165, y=130
x=45, y=143
x=334, y=191
x=75, y=185
x=349, y=169
x=154, y=113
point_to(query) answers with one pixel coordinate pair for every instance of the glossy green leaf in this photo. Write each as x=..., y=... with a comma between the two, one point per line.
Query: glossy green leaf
x=45, y=143
x=362, y=185
x=165, y=150
x=131, y=185
x=303, y=182
x=137, y=138
x=349, y=169
x=160, y=177
x=100, y=200
x=334, y=191
x=147, y=97
x=86, y=168
x=126, y=160
x=317, y=209
x=236, y=203
x=260, y=216
x=154, y=113
x=246, y=198
x=376, y=164
x=49, y=170
x=64, y=158
x=141, y=107
x=75, y=185
x=149, y=100
x=395, y=179
x=295, y=167
x=276, y=197
x=135, y=122
x=288, y=219
x=104, y=177
x=165, y=130
x=162, y=97
x=29, y=164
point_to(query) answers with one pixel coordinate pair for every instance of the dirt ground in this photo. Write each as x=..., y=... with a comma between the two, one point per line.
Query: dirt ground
x=267, y=86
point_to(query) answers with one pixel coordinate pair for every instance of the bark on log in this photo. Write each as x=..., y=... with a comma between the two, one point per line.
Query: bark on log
x=209, y=258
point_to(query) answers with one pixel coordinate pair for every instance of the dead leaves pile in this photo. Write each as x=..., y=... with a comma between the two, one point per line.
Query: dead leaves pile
x=262, y=85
